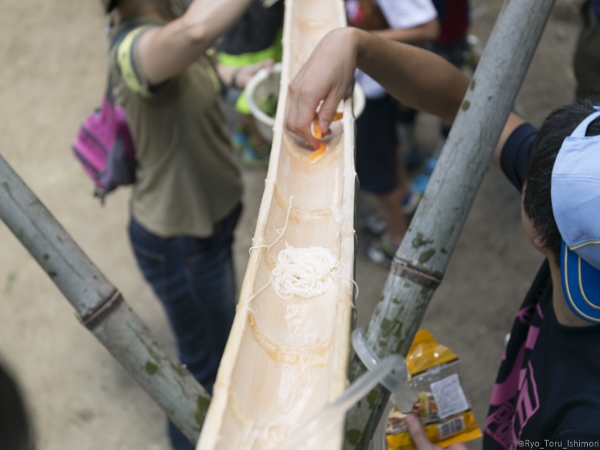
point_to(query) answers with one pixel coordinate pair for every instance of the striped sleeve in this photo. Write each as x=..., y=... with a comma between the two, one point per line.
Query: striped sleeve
x=127, y=63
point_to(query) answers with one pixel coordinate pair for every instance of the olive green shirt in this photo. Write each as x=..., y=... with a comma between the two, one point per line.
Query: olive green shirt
x=187, y=177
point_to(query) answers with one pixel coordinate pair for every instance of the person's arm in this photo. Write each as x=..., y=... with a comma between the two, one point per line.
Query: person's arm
x=414, y=76
x=165, y=51
x=238, y=77
x=511, y=125
x=422, y=34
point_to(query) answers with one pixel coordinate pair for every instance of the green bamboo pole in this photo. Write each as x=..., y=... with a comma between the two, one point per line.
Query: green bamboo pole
x=101, y=307
x=421, y=260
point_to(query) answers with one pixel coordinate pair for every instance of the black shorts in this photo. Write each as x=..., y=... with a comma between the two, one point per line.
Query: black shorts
x=376, y=143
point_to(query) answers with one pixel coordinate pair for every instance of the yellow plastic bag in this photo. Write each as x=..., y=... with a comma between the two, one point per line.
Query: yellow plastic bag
x=443, y=408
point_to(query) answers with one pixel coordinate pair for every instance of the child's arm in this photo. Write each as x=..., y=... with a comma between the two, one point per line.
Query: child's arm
x=238, y=77
x=165, y=51
x=511, y=125
x=422, y=34
x=414, y=76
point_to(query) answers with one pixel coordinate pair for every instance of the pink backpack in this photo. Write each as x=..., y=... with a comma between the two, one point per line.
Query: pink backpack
x=105, y=148
x=104, y=145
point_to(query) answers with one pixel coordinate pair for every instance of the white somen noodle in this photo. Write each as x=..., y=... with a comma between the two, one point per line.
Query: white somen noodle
x=305, y=272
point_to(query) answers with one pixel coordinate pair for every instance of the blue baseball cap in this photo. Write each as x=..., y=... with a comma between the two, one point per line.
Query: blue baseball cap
x=575, y=194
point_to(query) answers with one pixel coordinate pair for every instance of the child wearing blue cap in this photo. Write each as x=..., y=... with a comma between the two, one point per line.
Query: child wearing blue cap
x=547, y=389
x=547, y=383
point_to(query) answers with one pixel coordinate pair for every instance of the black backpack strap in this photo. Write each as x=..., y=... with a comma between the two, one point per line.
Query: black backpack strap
x=121, y=35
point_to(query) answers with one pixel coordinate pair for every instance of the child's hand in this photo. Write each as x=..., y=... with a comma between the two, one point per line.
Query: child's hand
x=327, y=77
x=422, y=442
x=246, y=73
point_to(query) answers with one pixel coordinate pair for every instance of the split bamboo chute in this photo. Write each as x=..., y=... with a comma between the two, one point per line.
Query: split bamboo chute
x=287, y=355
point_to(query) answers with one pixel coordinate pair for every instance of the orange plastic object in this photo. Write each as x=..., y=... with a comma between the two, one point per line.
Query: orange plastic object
x=316, y=129
x=318, y=133
x=317, y=154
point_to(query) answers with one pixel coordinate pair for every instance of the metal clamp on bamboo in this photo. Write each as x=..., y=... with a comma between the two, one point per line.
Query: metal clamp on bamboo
x=415, y=273
x=97, y=316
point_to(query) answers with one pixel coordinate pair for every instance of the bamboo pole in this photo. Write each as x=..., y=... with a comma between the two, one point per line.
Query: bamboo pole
x=421, y=260
x=101, y=307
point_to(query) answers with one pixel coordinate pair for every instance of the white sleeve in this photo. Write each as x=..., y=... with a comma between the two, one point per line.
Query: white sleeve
x=407, y=13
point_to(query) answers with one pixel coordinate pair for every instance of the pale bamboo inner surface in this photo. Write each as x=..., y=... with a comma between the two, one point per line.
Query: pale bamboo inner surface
x=286, y=358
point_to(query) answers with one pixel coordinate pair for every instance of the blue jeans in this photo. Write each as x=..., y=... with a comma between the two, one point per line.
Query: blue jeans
x=194, y=280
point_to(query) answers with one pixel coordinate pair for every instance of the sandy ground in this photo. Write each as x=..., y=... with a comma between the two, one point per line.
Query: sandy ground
x=52, y=73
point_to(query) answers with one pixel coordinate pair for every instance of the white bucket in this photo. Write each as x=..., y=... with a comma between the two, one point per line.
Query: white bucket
x=266, y=83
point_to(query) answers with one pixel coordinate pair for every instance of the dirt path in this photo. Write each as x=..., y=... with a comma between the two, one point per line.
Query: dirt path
x=52, y=74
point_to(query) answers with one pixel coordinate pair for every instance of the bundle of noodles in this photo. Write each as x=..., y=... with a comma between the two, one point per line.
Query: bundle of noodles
x=306, y=272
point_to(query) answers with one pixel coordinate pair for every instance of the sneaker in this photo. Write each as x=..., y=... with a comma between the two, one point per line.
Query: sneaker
x=419, y=183
x=374, y=224
x=410, y=202
x=382, y=251
x=430, y=165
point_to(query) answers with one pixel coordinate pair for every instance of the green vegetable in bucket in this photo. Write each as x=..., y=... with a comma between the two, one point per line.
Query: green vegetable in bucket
x=268, y=105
